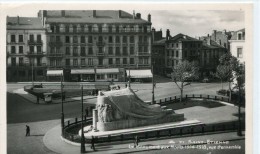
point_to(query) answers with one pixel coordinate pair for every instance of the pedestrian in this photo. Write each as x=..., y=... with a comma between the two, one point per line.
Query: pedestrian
x=137, y=140
x=126, y=85
x=93, y=143
x=27, y=130
x=118, y=87
x=154, y=84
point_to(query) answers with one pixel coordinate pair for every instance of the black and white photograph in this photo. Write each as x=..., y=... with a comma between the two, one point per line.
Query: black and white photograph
x=137, y=78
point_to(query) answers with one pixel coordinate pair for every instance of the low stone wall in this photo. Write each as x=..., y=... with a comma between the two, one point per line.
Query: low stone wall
x=107, y=126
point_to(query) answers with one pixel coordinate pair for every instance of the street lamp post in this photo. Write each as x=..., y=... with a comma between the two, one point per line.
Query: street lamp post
x=153, y=84
x=129, y=79
x=32, y=73
x=239, y=130
x=82, y=147
x=62, y=114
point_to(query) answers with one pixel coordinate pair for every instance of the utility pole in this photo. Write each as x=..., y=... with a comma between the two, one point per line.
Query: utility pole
x=152, y=85
x=32, y=73
x=129, y=79
x=62, y=114
x=82, y=147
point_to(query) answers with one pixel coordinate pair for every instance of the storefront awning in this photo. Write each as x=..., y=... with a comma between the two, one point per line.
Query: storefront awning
x=82, y=71
x=139, y=73
x=107, y=70
x=54, y=72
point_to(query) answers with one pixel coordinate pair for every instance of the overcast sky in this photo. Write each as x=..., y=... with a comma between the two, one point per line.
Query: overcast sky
x=192, y=23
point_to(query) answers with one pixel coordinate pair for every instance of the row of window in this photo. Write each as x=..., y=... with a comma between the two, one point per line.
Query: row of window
x=99, y=28
x=21, y=49
x=111, y=39
x=21, y=62
x=83, y=50
x=89, y=61
x=21, y=38
x=185, y=45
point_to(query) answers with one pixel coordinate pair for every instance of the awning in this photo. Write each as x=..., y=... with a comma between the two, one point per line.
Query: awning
x=54, y=72
x=107, y=70
x=82, y=71
x=139, y=73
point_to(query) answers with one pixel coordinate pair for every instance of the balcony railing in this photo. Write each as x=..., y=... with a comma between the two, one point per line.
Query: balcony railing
x=75, y=54
x=33, y=42
x=143, y=54
x=100, y=54
x=58, y=43
x=55, y=55
x=35, y=54
x=100, y=43
x=143, y=43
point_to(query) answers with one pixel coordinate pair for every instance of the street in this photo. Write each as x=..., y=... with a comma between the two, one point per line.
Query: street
x=42, y=117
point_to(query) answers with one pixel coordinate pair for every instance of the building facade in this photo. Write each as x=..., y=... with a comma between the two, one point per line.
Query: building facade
x=26, y=49
x=96, y=45
x=158, y=52
x=222, y=38
x=181, y=47
x=237, y=45
x=210, y=53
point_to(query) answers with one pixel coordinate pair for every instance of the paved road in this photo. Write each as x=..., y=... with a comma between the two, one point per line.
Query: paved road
x=20, y=110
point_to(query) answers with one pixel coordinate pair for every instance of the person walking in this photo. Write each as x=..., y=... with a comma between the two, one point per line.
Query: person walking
x=137, y=140
x=93, y=143
x=27, y=130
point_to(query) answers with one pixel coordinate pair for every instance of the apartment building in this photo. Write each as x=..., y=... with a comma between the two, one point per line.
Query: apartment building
x=237, y=45
x=96, y=45
x=210, y=53
x=26, y=49
x=181, y=47
x=158, y=52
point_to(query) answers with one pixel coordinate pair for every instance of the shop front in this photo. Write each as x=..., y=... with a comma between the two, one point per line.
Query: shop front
x=108, y=74
x=140, y=75
x=82, y=75
x=54, y=75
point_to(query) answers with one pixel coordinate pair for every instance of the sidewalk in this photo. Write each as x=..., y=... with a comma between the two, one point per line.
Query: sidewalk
x=53, y=141
x=33, y=99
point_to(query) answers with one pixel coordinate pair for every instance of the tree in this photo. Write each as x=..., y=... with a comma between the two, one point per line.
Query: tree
x=222, y=73
x=231, y=64
x=239, y=83
x=184, y=73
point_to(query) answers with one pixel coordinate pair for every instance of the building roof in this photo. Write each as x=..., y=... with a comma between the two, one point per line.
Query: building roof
x=160, y=42
x=87, y=16
x=213, y=45
x=182, y=37
x=235, y=36
x=32, y=23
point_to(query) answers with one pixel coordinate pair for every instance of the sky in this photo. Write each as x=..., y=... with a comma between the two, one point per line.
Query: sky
x=192, y=23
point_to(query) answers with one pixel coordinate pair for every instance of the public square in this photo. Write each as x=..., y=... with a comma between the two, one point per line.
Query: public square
x=44, y=120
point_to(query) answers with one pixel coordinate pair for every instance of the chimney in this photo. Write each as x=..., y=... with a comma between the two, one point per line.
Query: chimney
x=167, y=34
x=138, y=16
x=18, y=20
x=208, y=41
x=94, y=13
x=215, y=35
x=119, y=13
x=224, y=31
x=44, y=15
x=153, y=33
x=63, y=13
x=133, y=14
x=149, y=18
